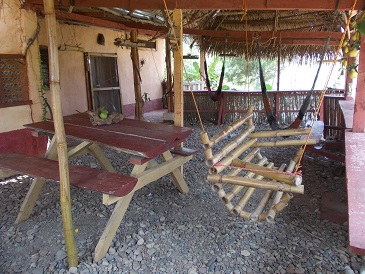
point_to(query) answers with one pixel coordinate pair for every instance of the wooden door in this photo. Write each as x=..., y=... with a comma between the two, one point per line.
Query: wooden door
x=103, y=82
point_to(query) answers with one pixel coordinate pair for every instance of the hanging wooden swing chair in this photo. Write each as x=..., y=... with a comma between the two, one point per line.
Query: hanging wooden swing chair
x=238, y=169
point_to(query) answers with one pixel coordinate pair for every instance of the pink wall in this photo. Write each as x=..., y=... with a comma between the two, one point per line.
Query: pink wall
x=72, y=69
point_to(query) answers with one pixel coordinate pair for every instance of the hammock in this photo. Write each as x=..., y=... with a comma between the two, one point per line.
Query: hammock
x=303, y=109
x=265, y=99
x=214, y=95
x=309, y=96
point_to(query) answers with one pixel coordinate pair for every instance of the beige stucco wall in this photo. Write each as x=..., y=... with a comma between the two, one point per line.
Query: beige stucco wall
x=16, y=27
x=72, y=68
x=20, y=25
x=14, y=117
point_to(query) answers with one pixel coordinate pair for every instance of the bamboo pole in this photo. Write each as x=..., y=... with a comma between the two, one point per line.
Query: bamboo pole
x=136, y=77
x=278, y=196
x=285, y=143
x=265, y=199
x=261, y=184
x=284, y=201
x=227, y=198
x=65, y=197
x=205, y=140
x=269, y=173
x=229, y=147
x=234, y=172
x=260, y=207
x=280, y=133
x=236, y=189
x=245, y=215
x=235, y=154
x=232, y=127
x=271, y=213
x=246, y=197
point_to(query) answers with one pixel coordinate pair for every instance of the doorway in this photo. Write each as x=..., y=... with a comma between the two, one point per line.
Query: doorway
x=103, y=82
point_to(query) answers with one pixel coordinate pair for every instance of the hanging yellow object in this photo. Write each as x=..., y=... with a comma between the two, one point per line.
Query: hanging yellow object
x=355, y=36
x=352, y=74
x=353, y=52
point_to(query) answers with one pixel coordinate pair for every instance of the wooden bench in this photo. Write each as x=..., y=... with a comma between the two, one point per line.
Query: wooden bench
x=80, y=176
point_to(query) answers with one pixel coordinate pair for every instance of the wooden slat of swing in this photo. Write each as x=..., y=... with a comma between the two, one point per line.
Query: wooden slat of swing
x=261, y=184
x=229, y=129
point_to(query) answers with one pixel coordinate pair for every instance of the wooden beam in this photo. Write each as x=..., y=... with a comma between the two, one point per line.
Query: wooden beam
x=264, y=34
x=178, y=70
x=148, y=29
x=359, y=108
x=170, y=98
x=217, y=4
x=136, y=77
x=302, y=41
x=93, y=21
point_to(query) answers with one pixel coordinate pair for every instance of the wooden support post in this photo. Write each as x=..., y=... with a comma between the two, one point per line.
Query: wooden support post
x=170, y=98
x=136, y=76
x=178, y=71
x=359, y=108
x=201, y=65
x=278, y=78
x=223, y=108
x=54, y=77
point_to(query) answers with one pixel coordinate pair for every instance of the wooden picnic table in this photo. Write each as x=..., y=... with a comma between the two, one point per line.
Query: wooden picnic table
x=144, y=141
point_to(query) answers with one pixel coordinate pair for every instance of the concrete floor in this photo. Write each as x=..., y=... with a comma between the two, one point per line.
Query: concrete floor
x=153, y=116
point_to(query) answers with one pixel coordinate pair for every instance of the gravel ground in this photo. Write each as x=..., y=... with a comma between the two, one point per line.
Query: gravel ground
x=165, y=231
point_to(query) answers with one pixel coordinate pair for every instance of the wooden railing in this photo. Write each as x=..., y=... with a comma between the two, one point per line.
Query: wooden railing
x=285, y=104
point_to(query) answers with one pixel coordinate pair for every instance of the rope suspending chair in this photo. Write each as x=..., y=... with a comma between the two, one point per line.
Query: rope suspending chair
x=238, y=169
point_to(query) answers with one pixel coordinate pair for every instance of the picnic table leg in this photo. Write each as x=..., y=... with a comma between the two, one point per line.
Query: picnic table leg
x=176, y=174
x=35, y=188
x=100, y=156
x=137, y=169
x=112, y=226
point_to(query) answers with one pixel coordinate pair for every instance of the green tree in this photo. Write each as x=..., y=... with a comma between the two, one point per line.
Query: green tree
x=192, y=71
x=247, y=77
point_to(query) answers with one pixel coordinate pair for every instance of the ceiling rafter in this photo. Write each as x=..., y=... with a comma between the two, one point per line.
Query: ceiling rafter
x=217, y=4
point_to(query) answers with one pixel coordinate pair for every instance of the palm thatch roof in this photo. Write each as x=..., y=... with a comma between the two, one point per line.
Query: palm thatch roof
x=293, y=33
x=265, y=28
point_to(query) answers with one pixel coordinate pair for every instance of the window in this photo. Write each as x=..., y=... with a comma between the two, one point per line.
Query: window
x=13, y=80
x=43, y=53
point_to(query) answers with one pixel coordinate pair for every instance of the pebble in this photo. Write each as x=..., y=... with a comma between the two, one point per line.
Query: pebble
x=73, y=270
x=60, y=255
x=245, y=253
x=140, y=241
x=164, y=231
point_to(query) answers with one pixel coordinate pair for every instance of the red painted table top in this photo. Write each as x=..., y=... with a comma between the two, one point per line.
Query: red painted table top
x=146, y=139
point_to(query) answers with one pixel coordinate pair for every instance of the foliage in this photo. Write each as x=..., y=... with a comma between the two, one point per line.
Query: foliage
x=42, y=93
x=247, y=77
x=192, y=71
x=145, y=98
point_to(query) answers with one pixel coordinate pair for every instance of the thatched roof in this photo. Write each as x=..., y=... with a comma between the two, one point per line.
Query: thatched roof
x=295, y=33
x=273, y=23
